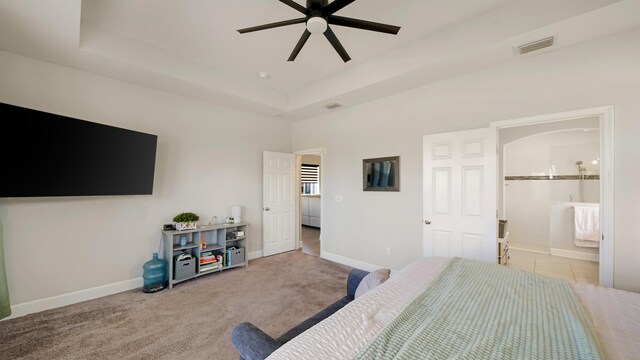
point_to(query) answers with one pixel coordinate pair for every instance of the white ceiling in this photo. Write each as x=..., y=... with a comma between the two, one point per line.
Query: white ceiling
x=191, y=47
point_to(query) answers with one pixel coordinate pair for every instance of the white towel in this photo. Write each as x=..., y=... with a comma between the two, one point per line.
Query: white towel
x=587, y=226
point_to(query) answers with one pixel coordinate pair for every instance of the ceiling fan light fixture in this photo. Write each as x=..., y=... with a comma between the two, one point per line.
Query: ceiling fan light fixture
x=317, y=25
x=317, y=16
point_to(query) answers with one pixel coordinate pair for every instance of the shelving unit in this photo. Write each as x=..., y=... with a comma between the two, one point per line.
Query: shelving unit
x=218, y=238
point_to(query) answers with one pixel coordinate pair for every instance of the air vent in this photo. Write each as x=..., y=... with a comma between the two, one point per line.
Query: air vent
x=332, y=105
x=535, y=45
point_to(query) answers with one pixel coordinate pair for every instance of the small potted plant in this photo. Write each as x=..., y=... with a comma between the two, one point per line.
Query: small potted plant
x=186, y=221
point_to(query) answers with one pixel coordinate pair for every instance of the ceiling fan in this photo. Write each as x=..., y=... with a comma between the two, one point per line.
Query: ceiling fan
x=318, y=16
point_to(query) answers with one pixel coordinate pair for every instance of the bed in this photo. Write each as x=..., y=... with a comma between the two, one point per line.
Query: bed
x=612, y=316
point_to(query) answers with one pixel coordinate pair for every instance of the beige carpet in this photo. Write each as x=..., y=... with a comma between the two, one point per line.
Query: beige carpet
x=191, y=321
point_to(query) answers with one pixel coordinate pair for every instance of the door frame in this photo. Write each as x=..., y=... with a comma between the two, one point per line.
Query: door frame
x=607, y=146
x=298, y=180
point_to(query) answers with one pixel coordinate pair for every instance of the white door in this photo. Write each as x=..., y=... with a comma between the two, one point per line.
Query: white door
x=459, y=194
x=278, y=203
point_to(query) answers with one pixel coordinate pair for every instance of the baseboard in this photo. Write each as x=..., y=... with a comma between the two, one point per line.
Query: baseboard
x=349, y=261
x=53, y=302
x=528, y=247
x=527, y=250
x=575, y=254
x=254, y=255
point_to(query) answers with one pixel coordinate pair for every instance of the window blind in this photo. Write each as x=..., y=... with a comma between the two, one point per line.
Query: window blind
x=310, y=178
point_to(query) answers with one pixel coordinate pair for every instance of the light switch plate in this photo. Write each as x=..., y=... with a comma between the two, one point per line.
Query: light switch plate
x=338, y=198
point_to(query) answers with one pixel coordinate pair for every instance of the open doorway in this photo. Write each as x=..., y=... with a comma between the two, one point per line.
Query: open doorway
x=309, y=166
x=555, y=207
x=554, y=168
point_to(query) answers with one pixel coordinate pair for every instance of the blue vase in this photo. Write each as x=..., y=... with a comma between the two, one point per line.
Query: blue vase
x=154, y=274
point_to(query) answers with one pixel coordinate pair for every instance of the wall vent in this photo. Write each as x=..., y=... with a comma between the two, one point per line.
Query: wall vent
x=332, y=105
x=535, y=45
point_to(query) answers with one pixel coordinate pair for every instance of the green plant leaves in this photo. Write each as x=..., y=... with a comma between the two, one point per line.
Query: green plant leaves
x=185, y=217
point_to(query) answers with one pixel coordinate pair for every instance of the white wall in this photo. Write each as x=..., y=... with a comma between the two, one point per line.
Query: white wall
x=605, y=71
x=208, y=159
x=311, y=159
x=552, y=153
x=507, y=135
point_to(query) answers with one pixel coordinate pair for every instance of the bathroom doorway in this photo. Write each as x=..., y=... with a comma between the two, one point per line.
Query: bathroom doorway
x=554, y=169
x=551, y=194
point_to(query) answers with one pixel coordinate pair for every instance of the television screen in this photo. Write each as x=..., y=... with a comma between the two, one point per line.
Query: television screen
x=43, y=154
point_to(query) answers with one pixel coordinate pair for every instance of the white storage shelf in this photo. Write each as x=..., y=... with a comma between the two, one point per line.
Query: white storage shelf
x=214, y=236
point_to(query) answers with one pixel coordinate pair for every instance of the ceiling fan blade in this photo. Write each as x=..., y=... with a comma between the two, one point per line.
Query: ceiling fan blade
x=336, y=5
x=272, y=25
x=295, y=5
x=363, y=24
x=336, y=44
x=299, y=45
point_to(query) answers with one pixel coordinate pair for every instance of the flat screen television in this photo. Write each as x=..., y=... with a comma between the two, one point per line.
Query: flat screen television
x=43, y=154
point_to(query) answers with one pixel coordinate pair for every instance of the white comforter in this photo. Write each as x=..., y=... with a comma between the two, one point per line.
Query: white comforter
x=615, y=315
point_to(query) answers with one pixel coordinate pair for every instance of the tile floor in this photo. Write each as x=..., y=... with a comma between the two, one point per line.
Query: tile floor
x=572, y=270
x=310, y=240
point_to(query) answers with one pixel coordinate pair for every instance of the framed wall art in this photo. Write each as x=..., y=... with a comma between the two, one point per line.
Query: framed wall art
x=381, y=174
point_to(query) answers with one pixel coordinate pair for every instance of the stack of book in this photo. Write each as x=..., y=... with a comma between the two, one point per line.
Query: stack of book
x=208, y=261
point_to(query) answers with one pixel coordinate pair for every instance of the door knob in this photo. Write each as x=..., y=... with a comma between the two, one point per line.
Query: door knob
x=427, y=222
x=266, y=209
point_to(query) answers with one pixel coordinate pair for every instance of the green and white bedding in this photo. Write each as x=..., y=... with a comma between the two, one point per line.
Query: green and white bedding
x=483, y=311
x=360, y=329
